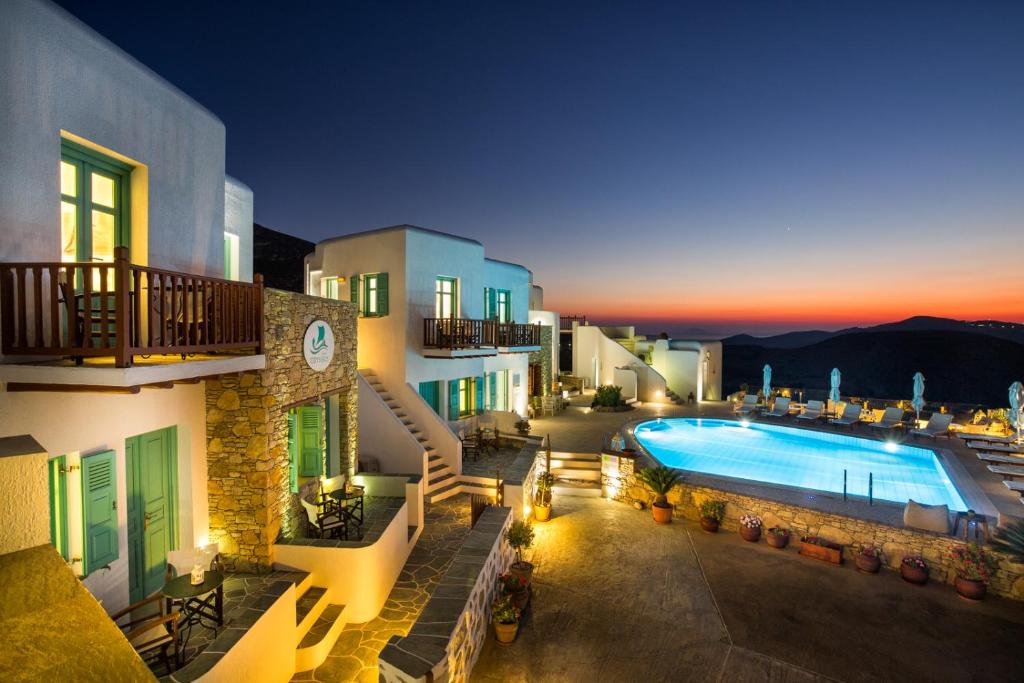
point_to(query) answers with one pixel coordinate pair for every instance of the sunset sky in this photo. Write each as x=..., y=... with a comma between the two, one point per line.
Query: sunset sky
x=726, y=167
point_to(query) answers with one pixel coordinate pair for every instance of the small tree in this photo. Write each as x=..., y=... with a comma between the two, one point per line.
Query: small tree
x=660, y=480
x=520, y=537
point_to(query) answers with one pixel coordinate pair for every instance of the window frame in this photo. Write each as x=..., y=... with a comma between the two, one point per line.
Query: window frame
x=439, y=294
x=86, y=162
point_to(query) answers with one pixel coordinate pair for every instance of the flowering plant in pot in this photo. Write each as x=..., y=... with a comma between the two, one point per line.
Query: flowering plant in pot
x=542, y=499
x=914, y=569
x=750, y=528
x=505, y=616
x=515, y=588
x=520, y=536
x=868, y=560
x=711, y=514
x=974, y=569
x=778, y=537
x=660, y=480
x=523, y=426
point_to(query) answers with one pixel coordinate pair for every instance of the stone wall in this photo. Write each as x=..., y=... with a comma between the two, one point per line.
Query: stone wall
x=618, y=482
x=543, y=359
x=251, y=503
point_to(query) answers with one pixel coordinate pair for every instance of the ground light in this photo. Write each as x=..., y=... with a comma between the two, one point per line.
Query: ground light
x=890, y=446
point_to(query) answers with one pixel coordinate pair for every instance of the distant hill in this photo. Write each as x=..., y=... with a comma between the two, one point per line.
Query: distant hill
x=959, y=366
x=793, y=340
x=279, y=258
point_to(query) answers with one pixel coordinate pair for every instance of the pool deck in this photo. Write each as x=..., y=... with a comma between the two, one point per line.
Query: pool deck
x=618, y=598
x=579, y=430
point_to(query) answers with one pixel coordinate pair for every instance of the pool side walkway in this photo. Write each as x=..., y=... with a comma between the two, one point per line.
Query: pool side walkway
x=618, y=598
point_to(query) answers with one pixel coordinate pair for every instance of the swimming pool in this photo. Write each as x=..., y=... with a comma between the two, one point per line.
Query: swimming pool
x=799, y=457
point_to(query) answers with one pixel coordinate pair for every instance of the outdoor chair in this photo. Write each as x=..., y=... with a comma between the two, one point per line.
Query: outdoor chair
x=748, y=406
x=987, y=438
x=938, y=425
x=155, y=633
x=327, y=486
x=850, y=416
x=323, y=524
x=1003, y=458
x=891, y=418
x=996, y=447
x=1007, y=471
x=812, y=411
x=181, y=561
x=780, y=409
x=470, y=445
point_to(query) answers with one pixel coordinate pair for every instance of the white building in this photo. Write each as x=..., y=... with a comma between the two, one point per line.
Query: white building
x=444, y=343
x=101, y=157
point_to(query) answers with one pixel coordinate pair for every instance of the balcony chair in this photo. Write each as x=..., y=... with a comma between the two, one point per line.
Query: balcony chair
x=938, y=425
x=323, y=524
x=780, y=409
x=812, y=411
x=328, y=486
x=470, y=445
x=891, y=418
x=850, y=416
x=155, y=633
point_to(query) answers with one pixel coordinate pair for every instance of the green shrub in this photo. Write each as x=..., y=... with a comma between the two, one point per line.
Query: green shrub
x=660, y=480
x=713, y=509
x=520, y=537
x=607, y=396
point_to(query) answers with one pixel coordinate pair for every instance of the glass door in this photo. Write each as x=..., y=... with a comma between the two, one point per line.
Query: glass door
x=445, y=298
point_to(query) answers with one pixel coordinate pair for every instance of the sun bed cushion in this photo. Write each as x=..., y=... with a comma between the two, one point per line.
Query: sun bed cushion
x=928, y=517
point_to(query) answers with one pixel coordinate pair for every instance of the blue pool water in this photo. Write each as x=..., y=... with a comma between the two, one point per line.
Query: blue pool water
x=800, y=457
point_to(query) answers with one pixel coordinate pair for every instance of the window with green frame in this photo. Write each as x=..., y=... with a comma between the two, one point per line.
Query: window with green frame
x=94, y=204
x=58, y=473
x=231, y=256
x=375, y=294
x=465, y=397
x=498, y=304
x=446, y=297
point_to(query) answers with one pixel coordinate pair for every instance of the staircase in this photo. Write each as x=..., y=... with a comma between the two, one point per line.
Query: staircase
x=442, y=481
x=318, y=623
x=576, y=474
x=674, y=397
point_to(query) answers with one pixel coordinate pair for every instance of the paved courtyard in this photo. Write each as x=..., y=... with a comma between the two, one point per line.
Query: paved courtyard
x=618, y=598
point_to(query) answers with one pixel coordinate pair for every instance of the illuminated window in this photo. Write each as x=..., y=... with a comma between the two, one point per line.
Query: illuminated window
x=375, y=295
x=231, y=257
x=446, y=298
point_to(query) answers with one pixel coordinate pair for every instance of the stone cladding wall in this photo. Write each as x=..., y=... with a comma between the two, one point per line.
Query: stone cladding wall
x=250, y=499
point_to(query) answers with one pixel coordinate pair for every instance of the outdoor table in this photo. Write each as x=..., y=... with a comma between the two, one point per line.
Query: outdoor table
x=350, y=503
x=968, y=518
x=196, y=609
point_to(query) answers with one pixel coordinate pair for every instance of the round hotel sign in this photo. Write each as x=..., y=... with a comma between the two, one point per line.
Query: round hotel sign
x=318, y=345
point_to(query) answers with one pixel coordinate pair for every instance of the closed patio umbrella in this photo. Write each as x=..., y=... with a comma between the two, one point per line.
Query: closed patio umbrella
x=1017, y=407
x=833, y=394
x=918, y=400
x=767, y=388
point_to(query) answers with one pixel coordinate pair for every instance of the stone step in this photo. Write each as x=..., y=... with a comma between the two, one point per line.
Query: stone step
x=307, y=602
x=575, y=474
x=575, y=488
x=439, y=482
x=576, y=463
x=314, y=647
x=444, y=492
x=433, y=457
x=438, y=467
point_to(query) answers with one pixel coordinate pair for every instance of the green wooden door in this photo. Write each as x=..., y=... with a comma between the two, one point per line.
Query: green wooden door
x=310, y=452
x=152, y=508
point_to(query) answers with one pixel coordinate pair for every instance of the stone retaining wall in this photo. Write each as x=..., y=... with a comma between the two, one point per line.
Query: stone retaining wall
x=618, y=482
x=247, y=430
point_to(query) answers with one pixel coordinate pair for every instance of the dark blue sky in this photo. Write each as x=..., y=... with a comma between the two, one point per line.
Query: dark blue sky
x=727, y=165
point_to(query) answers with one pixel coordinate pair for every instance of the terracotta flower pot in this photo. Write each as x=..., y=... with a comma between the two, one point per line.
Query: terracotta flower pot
x=505, y=633
x=542, y=513
x=520, y=599
x=914, y=575
x=971, y=589
x=778, y=540
x=751, y=533
x=867, y=564
x=709, y=524
x=524, y=570
x=662, y=513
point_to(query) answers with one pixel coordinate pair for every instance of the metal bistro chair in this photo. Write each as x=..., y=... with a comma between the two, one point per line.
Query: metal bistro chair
x=470, y=445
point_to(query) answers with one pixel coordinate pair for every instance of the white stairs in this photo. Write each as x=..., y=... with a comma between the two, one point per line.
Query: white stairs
x=318, y=623
x=576, y=474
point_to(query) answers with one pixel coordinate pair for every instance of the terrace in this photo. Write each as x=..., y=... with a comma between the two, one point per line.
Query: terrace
x=466, y=338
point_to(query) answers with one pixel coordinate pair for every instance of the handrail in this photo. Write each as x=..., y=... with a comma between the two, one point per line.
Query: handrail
x=462, y=333
x=95, y=309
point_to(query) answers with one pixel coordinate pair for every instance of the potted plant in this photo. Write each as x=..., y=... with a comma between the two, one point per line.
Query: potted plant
x=660, y=480
x=542, y=499
x=868, y=560
x=513, y=586
x=711, y=514
x=750, y=528
x=523, y=426
x=974, y=568
x=1009, y=539
x=506, y=619
x=914, y=569
x=777, y=537
x=819, y=549
x=520, y=537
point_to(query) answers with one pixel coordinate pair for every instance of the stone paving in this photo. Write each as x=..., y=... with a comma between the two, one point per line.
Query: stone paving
x=354, y=656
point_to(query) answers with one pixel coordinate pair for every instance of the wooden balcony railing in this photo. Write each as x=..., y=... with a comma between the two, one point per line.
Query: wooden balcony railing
x=515, y=334
x=121, y=310
x=565, y=322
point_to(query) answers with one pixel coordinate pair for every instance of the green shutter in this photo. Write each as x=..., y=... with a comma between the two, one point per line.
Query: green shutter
x=59, y=505
x=430, y=391
x=508, y=307
x=478, y=391
x=382, y=294
x=494, y=391
x=354, y=289
x=293, y=453
x=490, y=303
x=99, y=510
x=310, y=453
x=453, y=399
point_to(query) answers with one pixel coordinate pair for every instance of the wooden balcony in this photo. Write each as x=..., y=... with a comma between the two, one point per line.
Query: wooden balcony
x=119, y=310
x=462, y=337
x=517, y=336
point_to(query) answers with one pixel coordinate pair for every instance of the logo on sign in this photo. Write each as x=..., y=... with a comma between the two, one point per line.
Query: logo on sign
x=318, y=345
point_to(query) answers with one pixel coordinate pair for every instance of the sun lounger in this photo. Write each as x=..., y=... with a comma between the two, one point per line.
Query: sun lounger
x=812, y=411
x=780, y=409
x=1015, y=486
x=749, y=405
x=996, y=447
x=998, y=457
x=1007, y=470
x=891, y=418
x=850, y=416
x=938, y=425
x=988, y=438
